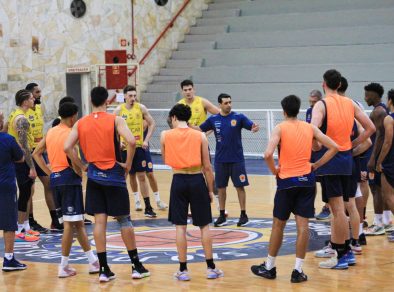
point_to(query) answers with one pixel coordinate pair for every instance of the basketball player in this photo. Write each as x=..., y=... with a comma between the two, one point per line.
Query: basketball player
x=335, y=115
x=382, y=218
x=296, y=189
x=200, y=107
x=314, y=97
x=186, y=151
x=229, y=156
x=9, y=154
x=67, y=187
x=134, y=113
x=385, y=163
x=36, y=120
x=106, y=191
x=19, y=128
x=150, y=175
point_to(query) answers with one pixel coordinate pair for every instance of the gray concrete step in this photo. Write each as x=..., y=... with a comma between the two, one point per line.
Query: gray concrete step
x=174, y=71
x=221, y=13
x=189, y=63
x=200, y=45
x=359, y=72
x=373, y=34
x=298, y=21
x=212, y=29
x=195, y=38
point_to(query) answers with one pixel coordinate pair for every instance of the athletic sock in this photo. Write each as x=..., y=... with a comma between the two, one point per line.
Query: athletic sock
x=354, y=242
x=378, y=220
x=133, y=254
x=243, y=213
x=136, y=197
x=147, y=203
x=222, y=213
x=54, y=216
x=387, y=217
x=210, y=264
x=270, y=263
x=20, y=227
x=31, y=219
x=347, y=245
x=340, y=249
x=157, y=196
x=91, y=257
x=102, y=256
x=26, y=225
x=182, y=266
x=361, y=230
x=298, y=264
x=64, y=261
x=9, y=255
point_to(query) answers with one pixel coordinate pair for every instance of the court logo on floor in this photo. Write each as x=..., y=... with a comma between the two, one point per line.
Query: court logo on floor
x=156, y=242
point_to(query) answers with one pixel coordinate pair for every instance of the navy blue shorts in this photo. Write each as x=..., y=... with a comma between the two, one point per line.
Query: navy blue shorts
x=235, y=170
x=69, y=198
x=336, y=186
x=363, y=163
x=376, y=180
x=189, y=189
x=39, y=171
x=8, y=209
x=142, y=161
x=110, y=200
x=298, y=200
x=355, y=177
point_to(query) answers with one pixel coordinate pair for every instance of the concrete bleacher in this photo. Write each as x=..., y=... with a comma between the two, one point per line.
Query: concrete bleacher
x=259, y=51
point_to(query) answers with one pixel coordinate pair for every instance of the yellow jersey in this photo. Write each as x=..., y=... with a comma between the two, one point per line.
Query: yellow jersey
x=36, y=120
x=199, y=115
x=11, y=127
x=134, y=120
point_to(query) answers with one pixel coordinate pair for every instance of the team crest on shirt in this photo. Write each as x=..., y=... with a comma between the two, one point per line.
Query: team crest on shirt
x=150, y=165
x=233, y=123
x=31, y=118
x=242, y=178
x=143, y=163
x=124, y=116
x=156, y=242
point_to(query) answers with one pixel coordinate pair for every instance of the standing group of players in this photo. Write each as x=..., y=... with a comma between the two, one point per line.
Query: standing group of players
x=344, y=134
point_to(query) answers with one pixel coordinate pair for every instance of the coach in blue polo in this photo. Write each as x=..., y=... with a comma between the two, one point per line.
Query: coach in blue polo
x=229, y=157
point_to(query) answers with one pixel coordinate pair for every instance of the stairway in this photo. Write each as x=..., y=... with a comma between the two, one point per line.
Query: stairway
x=260, y=51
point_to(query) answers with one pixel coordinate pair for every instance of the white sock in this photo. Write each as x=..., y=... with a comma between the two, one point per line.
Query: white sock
x=361, y=230
x=216, y=199
x=157, y=196
x=387, y=217
x=378, y=220
x=298, y=264
x=91, y=256
x=9, y=255
x=136, y=197
x=64, y=261
x=20, y=227
x=270, y=263
x=26, y=225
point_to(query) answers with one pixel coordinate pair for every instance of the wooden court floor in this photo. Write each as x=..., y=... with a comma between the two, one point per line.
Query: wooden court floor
x=374, y=270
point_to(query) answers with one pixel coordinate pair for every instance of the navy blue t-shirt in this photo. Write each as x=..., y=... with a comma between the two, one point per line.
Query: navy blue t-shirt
x=10, y=152
x=227, y=131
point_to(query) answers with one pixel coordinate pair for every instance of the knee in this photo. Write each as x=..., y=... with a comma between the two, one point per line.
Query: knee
x=141, y=176
x=278, y=224
x=124, y=222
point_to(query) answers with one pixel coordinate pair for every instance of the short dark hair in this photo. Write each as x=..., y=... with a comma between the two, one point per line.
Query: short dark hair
x=181, y=112
x=21, y=96
x=291, y=105
x=67, y=109
x=31, y=86
x=128, y=88
x=390, y=95
x=344, y=85
x=375, y=87
x=186, y=82
x=66, y=99
x=98, y=96
x=332, y=78
x=223, y=95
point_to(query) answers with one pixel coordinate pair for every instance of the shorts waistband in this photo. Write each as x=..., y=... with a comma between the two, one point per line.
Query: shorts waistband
x=183, y=171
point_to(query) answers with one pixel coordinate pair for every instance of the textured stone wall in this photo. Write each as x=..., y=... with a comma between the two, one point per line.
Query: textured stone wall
x=39, y=39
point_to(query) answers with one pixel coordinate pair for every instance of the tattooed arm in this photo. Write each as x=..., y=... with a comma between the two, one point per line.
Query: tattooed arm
x=22, y=127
